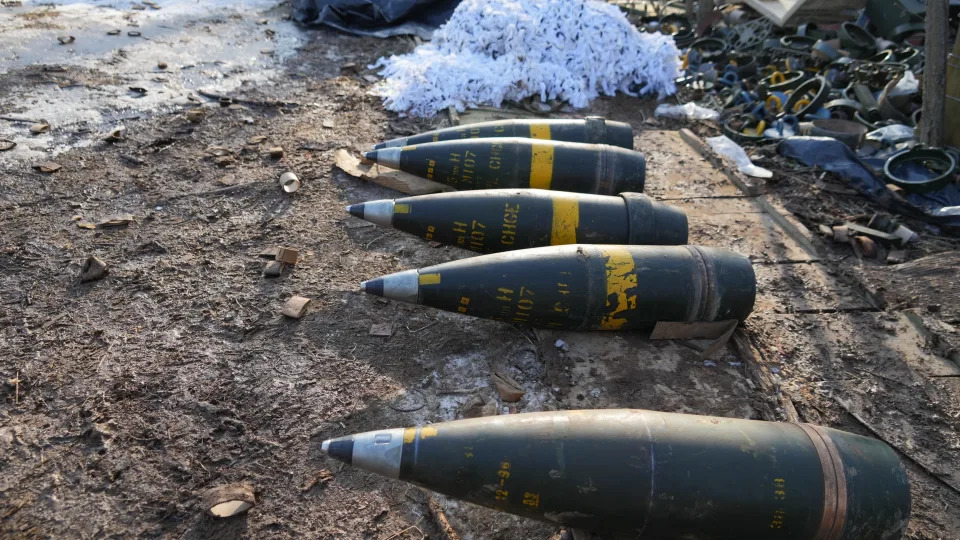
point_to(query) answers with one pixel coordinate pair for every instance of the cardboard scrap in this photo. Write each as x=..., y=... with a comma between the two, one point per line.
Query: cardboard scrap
x=384, y=176
x=717, y=333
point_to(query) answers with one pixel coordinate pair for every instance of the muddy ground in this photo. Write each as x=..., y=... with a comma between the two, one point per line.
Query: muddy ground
x=125, y=398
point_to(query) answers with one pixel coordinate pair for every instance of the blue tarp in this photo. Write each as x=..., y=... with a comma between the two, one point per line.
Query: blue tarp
x=377, y=18
x=941, y=207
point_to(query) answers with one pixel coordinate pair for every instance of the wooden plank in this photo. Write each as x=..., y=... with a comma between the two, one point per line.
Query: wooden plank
x=934, y=73
x=790, y=225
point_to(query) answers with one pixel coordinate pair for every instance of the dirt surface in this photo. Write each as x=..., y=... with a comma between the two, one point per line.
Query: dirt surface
x=125, y=398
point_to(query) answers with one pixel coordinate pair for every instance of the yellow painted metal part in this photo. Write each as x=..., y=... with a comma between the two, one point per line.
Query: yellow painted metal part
x=621, y=278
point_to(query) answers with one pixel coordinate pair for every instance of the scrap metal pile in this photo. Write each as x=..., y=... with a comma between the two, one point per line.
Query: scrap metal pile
x=570, y=244
x=857, y=82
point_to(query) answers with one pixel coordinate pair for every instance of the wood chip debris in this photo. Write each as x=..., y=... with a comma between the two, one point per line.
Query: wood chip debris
x=509, y=389
x=7, y=144
x=320, y=477
x=288, y=255
x=117, y=220
x=39, y=127
x=47, y=167
x=296, y=307
x=229, y=500
x=256, y=139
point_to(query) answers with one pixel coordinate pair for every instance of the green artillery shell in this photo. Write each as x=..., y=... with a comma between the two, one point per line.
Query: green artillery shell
x=590, y=130
x=511, y=162
x=653, y=475
x=523, y=218
x=583, y=286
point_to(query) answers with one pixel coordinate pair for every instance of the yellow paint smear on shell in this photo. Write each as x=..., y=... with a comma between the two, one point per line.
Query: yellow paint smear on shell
x=541, y=166
x=409, y=435
x=401, y=209
x=429, y=279
x=620, y=279
x=540, y=132
x=427, y=432
x=566, y=219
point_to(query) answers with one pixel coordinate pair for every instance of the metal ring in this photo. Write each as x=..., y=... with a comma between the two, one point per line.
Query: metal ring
x=924, y=155
x=815, y=103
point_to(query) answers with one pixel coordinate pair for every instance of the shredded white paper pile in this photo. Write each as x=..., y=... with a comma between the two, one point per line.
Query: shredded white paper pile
x=495, y=50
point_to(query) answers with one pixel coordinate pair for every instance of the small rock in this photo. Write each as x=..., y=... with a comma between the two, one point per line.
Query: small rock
x=138, y=90
x=161, y=65
x=562, y=345
x=113, y=32
x=296, y=307
x=7, y=144
x=66, y=40
x=273, y=269
x=276, y=152
x=328, y=124
x=93, y=269
x=256, y=139
x=371, y=78
x=134, y=33
x=39, y=127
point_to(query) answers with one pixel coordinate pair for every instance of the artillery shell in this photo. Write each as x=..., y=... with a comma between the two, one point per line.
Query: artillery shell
x=523, y=218
x=652, y=474
x=590, y=130
x=583, y=286
x=512, y=162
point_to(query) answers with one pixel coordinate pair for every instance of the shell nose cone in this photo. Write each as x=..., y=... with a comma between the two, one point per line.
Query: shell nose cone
x=373, y=286
x=371, y=155
x=356, y=210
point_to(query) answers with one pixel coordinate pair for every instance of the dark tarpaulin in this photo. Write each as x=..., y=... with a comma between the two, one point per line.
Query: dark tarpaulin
x=941, y=207
x=377, y=18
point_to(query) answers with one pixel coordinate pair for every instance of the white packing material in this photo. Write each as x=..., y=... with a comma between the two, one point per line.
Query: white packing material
x=687, y=111
x=496, y=50
x=725, y=146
